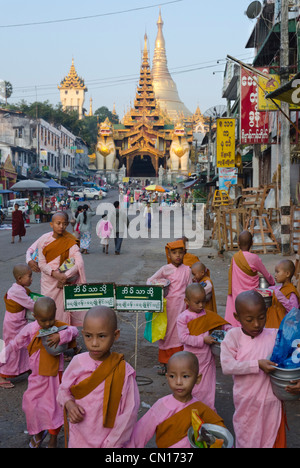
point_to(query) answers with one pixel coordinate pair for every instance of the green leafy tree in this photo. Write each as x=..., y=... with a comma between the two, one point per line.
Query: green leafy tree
x=8, y=90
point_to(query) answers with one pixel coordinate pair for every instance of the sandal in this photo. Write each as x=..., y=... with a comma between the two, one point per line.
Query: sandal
x=7, y=384
x=37, y=443
x=162, y=370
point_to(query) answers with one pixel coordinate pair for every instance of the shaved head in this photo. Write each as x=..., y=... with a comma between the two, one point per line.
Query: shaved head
x=250, y=299
x=102, y=313
x=194, y=288
x=61, y=214
x=185, y=357
x=44, y=307
x=288, y=265
x=198, y=266
x=245, y=240
x=20, y=270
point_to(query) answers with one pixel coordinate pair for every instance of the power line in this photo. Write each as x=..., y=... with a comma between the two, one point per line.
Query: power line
x=131, y=78
x=80, y=18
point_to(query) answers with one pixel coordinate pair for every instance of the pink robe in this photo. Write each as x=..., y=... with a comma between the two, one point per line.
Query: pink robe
x=242, y=282
x=179, y=277
x=39, y=401
x=205, y=390
x=49, y=284
x=13, y=323
x=90, y=433
x=288, y=304
x=162, y=409
x=258, y=412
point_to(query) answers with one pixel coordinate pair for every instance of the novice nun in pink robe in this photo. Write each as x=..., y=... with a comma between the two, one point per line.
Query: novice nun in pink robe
x=13, y=323
x=206, y=389
x=179, y=277
x=258, y=413
x=39, y=401
x=49, y=284
x=90, y=433
x=241, y=281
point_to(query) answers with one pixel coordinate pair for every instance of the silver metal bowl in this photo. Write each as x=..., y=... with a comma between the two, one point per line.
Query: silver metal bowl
x=280, y=379
x=57, y=350
x=286, y=374
x=263, y=283
x=54, y=351
x=164, y=283
x=218, y=431
x=216, y=349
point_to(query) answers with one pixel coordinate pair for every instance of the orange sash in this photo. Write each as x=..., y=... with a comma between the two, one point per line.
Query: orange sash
x=60, y=247
x=212, y=303
x=276, y=313
x=48, y=365
x=242, y=263
x=189, y=259
x=112, y=370
x=12, y=306
x=176, y=427
x=208, y=322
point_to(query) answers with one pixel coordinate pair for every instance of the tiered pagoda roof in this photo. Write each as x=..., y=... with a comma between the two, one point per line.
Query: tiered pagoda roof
x=72, y=80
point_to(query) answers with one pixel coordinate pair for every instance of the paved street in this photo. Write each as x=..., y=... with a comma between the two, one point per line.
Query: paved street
x=139, y=259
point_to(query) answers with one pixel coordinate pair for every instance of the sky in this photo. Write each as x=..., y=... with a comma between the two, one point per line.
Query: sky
x=106, y=40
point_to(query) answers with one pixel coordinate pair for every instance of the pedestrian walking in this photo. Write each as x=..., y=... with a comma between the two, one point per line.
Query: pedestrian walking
x=18, y=227
x=120, y=222
x=84, y=220
x=104, y=229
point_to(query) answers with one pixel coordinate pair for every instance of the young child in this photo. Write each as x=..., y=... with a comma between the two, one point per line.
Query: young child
x=258, y=419
x=194, y=327
x=54, y=249
x=285, y=295
x=179, y=276
x=202, y=275
x=42, y=412
x=104, y=229
x=243, y=274
x=17, y=301
x=170, y=417
x=98, y=390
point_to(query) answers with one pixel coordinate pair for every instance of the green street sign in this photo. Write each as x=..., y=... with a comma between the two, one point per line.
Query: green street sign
x=86, y=296
x=143, y=298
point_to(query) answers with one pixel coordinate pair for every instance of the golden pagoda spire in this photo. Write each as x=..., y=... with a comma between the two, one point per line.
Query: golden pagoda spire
x=164, y=87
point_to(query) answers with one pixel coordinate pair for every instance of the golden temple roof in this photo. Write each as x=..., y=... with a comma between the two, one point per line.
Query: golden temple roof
x=72, y=80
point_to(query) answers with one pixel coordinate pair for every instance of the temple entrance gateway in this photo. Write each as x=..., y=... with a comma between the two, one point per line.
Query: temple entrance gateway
x=142, y=167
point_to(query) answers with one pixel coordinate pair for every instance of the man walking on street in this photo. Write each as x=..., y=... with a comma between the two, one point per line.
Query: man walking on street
x=120, y=222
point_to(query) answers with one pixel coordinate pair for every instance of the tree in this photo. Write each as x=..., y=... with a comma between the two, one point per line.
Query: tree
x=103, y=112
x=8, y=90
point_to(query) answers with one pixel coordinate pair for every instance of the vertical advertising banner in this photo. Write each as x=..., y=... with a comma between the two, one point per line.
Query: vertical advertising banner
x=254, y=125
x=225, y=142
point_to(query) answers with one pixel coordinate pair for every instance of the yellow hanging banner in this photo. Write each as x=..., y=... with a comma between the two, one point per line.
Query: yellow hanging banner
x=225, y=142
x=269, y=86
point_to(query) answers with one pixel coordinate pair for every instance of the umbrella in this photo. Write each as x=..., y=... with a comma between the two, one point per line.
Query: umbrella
x=53, y=184
x=29, y=185
x=155, y=188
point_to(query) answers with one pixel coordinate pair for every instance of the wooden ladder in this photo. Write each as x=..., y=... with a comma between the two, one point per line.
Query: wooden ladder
x=265, y=229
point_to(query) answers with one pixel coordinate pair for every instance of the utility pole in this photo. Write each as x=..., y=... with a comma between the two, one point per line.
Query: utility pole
x=285, y=202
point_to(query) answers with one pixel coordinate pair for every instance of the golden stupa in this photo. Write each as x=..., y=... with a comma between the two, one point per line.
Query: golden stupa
x=164, y=87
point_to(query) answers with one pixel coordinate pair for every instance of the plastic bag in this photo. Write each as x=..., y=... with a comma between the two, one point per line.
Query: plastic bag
x=286, y=352
x=156, y=325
